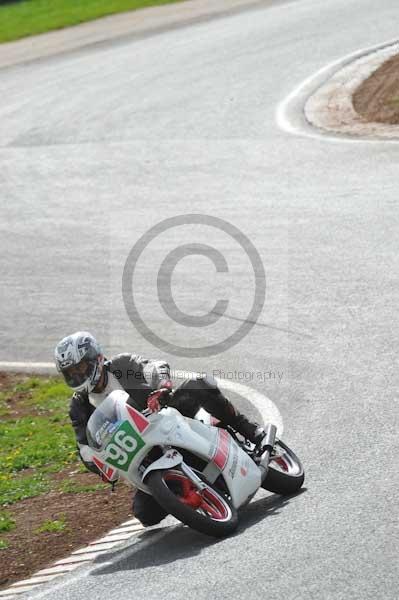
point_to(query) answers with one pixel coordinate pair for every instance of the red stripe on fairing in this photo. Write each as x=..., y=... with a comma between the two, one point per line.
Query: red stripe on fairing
x=108, y=471
x=98, y=463
x=222, y=449
x=139, y=420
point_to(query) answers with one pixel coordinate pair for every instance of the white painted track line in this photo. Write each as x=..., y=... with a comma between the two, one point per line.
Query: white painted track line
x=290, y=116
x=267, y=409
x=28, y=367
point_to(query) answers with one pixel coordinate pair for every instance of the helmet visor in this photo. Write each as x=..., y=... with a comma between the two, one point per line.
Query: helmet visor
x=76, y=375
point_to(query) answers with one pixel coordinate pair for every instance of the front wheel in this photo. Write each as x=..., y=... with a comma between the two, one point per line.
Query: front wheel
x=285, y=474
x=208, y=511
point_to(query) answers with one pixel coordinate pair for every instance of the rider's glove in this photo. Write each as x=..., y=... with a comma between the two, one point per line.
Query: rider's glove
x=159, y=397
x=153, y=403
x=165, y=384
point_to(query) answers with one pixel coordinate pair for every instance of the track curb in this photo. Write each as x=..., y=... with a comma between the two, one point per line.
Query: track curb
x=76, y=559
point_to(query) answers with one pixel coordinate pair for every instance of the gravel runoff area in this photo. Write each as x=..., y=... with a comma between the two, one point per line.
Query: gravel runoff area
x=361, y=98
x=377, y=98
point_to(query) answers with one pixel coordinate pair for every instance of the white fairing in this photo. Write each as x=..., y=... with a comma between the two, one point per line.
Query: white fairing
x=241, y=474
x=169, y=429
x=171, y=459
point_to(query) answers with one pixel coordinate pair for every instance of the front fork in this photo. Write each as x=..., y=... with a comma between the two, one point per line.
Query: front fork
x=170, y=459
x=193, y=477
x=267, y=445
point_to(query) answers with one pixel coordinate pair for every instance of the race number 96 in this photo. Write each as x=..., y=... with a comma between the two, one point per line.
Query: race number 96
x=123, y=447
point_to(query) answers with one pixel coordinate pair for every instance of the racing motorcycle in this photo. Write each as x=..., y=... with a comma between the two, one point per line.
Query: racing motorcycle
x=198, y=472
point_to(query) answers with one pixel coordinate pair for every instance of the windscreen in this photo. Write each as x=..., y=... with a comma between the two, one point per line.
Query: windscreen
x=105, y=420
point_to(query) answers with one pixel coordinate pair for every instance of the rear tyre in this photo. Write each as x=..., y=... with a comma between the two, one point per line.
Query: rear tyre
x=285, y=475
x=210, y=512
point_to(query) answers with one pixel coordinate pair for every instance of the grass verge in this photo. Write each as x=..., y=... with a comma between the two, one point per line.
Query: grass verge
x=30, y=17
x=36, y=438
x=52, y=526
x=49, y=504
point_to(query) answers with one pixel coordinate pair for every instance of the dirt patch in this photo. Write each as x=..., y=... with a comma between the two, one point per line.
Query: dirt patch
x=8, y=380
x=377, y=98
x=14, y=403
x=87, y=516
x=78, y=508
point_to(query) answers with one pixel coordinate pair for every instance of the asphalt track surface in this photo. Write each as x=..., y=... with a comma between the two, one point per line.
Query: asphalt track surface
x=97, y=146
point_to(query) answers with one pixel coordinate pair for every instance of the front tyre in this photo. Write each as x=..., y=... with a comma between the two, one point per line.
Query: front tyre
x=209, y=511
x=285, y=475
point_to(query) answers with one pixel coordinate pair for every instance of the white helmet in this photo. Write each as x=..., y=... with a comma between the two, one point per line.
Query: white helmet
x=80, y=360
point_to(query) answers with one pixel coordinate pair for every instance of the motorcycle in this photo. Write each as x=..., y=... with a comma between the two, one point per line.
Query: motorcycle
x=199, y=473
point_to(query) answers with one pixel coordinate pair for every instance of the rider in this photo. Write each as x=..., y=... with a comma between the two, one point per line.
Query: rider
x=81, y=361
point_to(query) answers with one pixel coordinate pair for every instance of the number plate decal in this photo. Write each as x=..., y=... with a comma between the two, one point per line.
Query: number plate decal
x=123, y=447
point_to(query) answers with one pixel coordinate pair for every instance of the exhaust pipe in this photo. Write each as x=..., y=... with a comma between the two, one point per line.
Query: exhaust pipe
x=268, y=444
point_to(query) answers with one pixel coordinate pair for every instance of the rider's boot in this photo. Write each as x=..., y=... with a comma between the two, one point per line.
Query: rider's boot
x=224, y=410
x=251, y=431
x=205, y=392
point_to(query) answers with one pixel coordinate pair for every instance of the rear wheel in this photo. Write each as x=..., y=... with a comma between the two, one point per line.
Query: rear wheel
x=209, y=511
x=285, y=475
